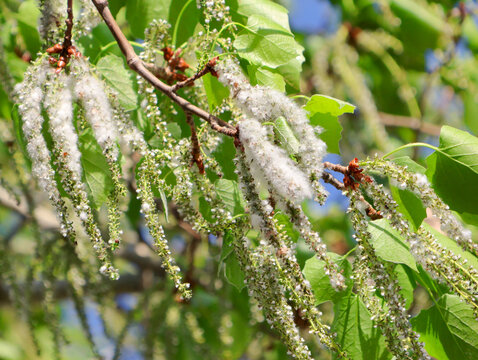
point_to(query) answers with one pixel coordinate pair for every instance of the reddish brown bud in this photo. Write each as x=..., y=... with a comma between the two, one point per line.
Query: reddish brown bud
x=167, y=53
x=55, y=49
x=182, y=65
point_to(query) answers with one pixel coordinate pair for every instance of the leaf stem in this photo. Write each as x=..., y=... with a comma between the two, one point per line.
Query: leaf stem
x=300, y=97
x=220, y=32
x=409, y=146
x=176, y=25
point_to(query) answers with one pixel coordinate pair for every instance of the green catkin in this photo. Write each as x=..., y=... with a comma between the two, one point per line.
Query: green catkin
x=34, y=269
x=52, y=20
x=312, y=238
x=262, y=277
x=113, y=202
x=80, y=202
x=370, y=274
x=418, y=184
x=440, y=262
x=148, y=208
x=288, y=270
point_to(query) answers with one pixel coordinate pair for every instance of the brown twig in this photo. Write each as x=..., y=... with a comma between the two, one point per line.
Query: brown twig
x=209, y=68
x=335, y=167
x=65, y=50
x=136, y=64
x=196, y=149
x=328, y=178
x=69, y=28
x=409, y=122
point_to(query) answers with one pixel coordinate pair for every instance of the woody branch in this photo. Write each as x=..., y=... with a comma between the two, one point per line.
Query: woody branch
x=137, y=65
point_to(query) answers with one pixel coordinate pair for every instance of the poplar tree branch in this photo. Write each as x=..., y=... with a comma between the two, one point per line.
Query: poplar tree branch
x=69, y=27
x=328, y=178
x=209, y=68
x=137, y=65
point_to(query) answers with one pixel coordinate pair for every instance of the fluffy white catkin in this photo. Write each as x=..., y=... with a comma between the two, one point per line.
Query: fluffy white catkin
x=59, y=106
x=91, y=92
x=271, y=161
x=265, y=104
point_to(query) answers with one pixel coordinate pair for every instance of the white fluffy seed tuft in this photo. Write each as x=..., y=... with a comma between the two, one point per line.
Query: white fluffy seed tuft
x=271, y=161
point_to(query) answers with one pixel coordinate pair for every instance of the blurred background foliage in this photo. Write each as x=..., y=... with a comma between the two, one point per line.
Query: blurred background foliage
x=408, y=66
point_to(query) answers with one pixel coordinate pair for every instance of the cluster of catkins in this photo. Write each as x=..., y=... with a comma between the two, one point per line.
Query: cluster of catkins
x=372, y=275
x=263, y=166
x=272, y=273
x=49, y=98
x=273, y=180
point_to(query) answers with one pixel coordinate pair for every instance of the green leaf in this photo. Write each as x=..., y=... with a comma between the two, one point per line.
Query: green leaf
x=406, y=281
x=389, y=245
x=323, y=111
x=433, y=286
x=215, y=91
x=233, y=272
x=328, y=105
x=175, y=130
x=420, y=29
x=356, y=333
x=96, y=171
x=291, y=71
x=227, y=246
x=278, y=19
x=265, y=77
x=266, y=8
x=140, y=13
x=265, y=43
x=224, y=155
x=232, y=269
x=410, y=164
x=410, y=205
x=419, y=13
x=116, y=5
x=332, y=130
x=286, y=135
x=98, y=43
x=470, y=102
x=27, y=19
x=449, y=329
x=314, y=272
x=111, y=68
x=228, y=191
x=471, y=219
x=284, y=221
x=453, y=170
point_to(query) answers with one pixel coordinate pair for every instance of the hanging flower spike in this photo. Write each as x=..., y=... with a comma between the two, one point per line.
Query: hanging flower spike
x=265, y=104
x=273, y=163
